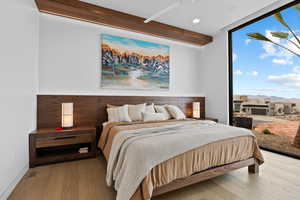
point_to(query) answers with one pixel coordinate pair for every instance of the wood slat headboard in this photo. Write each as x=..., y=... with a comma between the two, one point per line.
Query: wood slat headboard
x=91, y=110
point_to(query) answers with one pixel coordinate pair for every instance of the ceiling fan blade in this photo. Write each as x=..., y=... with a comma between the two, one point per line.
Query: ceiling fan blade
x=156, y=15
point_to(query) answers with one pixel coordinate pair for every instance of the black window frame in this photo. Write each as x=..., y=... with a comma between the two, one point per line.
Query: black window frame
x=230, y=71
x=230, y=62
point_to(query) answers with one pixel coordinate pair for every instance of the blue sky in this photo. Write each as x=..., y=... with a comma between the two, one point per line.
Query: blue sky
x=260, y=68
x=133, y=42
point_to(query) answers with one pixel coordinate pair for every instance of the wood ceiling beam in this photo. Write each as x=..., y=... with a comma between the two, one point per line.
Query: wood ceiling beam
x=99, y=15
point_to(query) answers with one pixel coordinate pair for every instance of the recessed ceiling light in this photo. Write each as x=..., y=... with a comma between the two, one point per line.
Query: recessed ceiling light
x=196, y=20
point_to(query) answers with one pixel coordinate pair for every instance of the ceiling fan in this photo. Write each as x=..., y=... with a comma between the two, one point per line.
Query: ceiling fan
x=167, y=9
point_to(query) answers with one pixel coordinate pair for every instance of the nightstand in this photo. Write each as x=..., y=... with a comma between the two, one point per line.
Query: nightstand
x=51, y=146
x=210, y=118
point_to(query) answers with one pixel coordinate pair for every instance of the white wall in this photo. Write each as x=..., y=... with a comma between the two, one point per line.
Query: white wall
x=70, y=60
x=18, y=86
x=214, y=78
x=214, y=68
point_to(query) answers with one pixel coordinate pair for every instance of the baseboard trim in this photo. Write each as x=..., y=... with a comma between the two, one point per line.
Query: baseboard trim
x=11, y=186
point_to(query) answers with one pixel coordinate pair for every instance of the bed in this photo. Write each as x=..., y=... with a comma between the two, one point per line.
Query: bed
x=219, y=149
x=162, y=178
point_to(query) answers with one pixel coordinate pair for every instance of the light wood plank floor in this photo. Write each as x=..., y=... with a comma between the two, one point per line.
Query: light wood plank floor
x=279, y=178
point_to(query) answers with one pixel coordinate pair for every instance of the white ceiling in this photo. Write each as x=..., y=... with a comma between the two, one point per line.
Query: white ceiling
x=213, y=14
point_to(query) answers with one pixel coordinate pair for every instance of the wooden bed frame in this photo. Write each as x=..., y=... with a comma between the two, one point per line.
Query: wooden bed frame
x=251, y=163
x=91, y=110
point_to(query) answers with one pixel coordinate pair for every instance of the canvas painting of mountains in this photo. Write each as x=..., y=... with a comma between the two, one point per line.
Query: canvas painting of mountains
x=134, y=64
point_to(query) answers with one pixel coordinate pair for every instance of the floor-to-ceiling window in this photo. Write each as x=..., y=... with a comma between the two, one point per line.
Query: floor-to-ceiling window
x=265, y=78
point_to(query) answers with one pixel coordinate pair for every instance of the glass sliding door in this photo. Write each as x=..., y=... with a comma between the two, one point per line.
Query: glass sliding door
x=265, y=78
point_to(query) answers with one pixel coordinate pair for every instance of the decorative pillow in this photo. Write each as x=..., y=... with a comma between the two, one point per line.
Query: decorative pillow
x=153, y=117
x=175, y=112
x=150, y=108
x=163, y=110
x=118, y=114
x=135, y=111
x=111, y=106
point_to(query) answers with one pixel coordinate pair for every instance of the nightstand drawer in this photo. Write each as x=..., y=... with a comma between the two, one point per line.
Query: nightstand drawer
x=49, y=145
x=209, y=118
x=64, y=140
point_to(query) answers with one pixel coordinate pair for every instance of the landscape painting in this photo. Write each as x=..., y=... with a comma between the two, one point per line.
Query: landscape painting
x=134, y=64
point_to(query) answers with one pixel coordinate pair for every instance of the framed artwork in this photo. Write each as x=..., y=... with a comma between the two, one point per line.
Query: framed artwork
x=134, y=64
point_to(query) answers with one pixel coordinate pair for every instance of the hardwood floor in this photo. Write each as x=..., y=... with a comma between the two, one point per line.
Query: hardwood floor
x=85, y=180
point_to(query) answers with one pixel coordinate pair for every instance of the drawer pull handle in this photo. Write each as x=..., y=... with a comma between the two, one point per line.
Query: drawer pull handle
x=67, y=137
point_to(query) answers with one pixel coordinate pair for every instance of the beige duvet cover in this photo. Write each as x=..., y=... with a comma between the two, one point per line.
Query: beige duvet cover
x=184, y=165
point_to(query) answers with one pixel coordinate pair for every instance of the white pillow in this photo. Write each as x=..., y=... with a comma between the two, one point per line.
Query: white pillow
x=150, y=108
x=135, y=111
x=175, y=112
x=153, y=117
x=118, y=114
x=163, y=110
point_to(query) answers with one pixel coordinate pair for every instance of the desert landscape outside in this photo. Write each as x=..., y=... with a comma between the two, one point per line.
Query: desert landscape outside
x=275, y=121
x=266, y=80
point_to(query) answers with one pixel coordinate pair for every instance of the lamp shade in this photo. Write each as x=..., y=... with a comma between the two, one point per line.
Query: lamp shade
x=67, y=115
x=196, y=109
